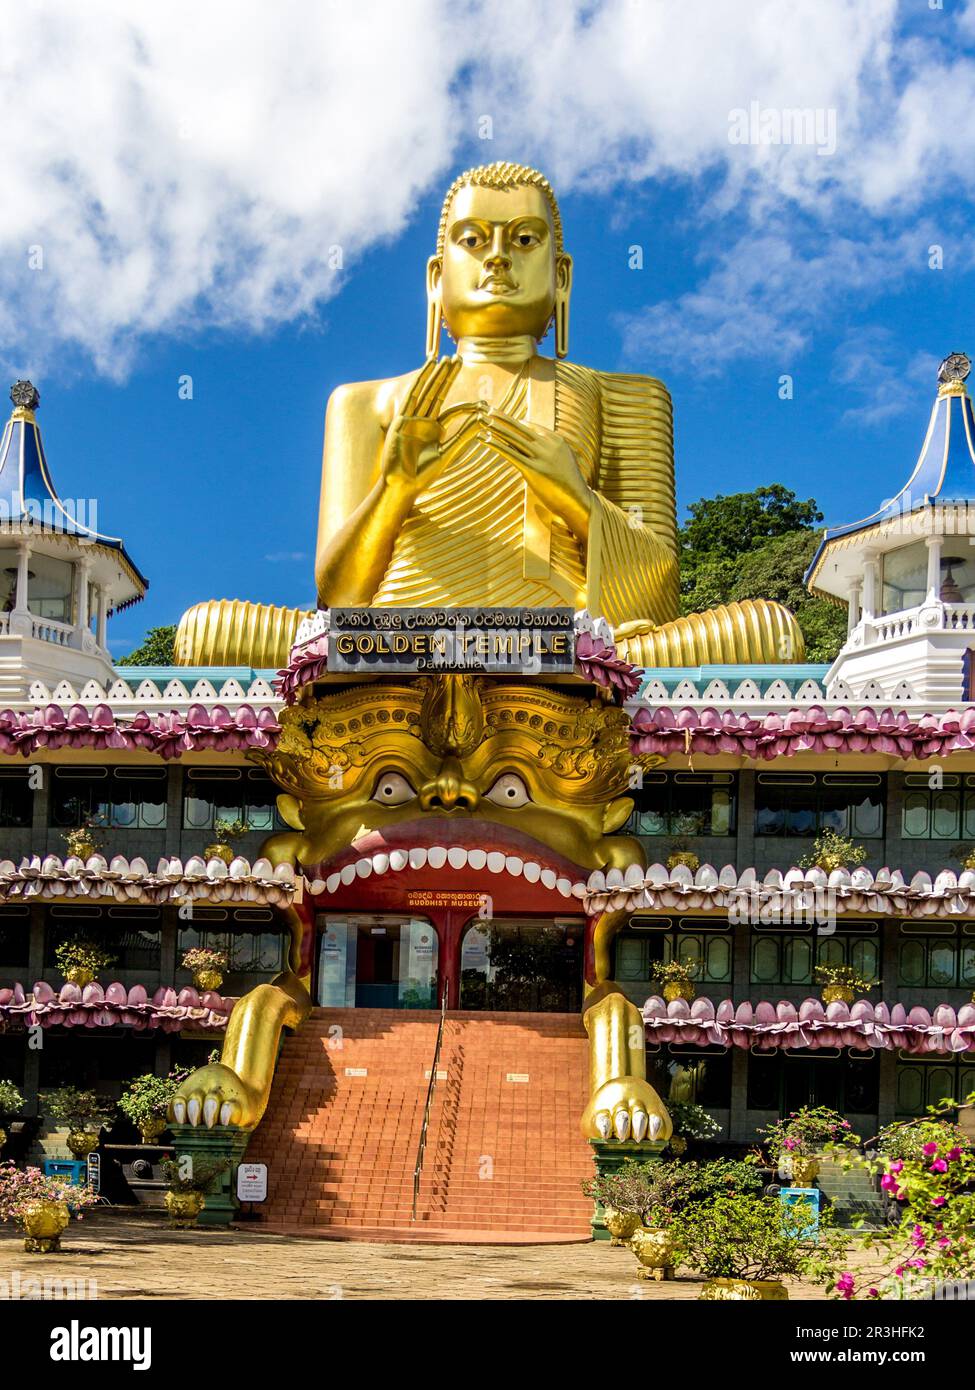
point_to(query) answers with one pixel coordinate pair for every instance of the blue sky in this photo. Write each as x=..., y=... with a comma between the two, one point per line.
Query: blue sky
x=184, y=194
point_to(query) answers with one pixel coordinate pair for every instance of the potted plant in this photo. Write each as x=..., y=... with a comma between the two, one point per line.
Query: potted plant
x=188, y=1179
x=11, y=1103
x=83, y=1112
x=79, y=959
x=145, y=1101
x=224, y=833
x=801, y=1137
x=41, y=1205
x=842, y=983
x=681, y=854
x=207, y=966
x=833, y=851
x=623, y=1196
x=675, y=977
x=84, y=841
x=691, y=1121
x=675, y=1187
x=742, y=1245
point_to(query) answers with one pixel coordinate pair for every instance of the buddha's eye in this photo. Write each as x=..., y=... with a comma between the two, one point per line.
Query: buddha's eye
x=526, y=239
x=509, y=790
x=392, y=789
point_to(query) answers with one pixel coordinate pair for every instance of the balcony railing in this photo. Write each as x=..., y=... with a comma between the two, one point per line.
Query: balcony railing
x=921, y=620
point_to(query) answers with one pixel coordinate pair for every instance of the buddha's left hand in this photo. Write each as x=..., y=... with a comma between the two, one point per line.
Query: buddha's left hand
x=549, y=467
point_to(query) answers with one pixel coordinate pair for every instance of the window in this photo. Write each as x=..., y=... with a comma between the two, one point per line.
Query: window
x=784, y=958
x=527, y=965
x=934, y=958
x=942, y=812
x=14, y=942
x=16, y=799
x=650, y=939
x=783, y=1081
x=126, y=798
x=229, y=793
x=252, y=938
x=921, y=1082
x=905, y=578
x=131, y=934
x=807, y=803
x=686, y=803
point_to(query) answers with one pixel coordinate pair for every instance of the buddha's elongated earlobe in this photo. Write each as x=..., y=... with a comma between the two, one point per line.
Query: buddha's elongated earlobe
x=563, y=291
x=434, y=306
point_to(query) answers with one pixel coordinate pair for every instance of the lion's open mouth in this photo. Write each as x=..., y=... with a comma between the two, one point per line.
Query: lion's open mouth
x=463, y=845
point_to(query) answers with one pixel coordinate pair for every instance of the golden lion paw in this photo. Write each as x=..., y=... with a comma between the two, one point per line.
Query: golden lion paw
x=626, y=1108
x=214, y=1095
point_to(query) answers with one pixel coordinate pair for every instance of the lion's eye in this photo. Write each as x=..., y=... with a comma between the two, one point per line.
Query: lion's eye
x=392, y=789
x=508, y=790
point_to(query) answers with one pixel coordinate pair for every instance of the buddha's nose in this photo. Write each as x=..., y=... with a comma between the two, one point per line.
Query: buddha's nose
x=499, y=257
x=449, y=790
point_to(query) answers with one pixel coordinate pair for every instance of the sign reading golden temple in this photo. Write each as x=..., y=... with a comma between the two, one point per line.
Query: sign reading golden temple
x=391, y=640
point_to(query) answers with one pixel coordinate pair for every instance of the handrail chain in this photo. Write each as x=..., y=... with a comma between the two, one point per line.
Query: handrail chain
x=421, y=1146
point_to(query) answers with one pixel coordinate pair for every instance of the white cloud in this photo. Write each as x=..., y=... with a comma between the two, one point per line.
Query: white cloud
x=189, y=165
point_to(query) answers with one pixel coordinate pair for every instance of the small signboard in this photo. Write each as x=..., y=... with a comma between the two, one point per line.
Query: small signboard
x=252, y=1182
x=95, y=1172
x=522, y=641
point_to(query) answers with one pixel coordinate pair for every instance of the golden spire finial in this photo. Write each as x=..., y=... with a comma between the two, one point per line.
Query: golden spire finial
x=952, y=373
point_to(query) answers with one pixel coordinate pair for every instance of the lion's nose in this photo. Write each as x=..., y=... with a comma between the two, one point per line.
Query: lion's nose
x=449, y=790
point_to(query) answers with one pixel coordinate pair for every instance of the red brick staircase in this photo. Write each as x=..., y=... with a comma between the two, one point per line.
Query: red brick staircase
x=504, y=1156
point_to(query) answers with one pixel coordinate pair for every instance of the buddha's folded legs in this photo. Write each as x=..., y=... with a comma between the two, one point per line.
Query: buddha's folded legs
x=753, y=631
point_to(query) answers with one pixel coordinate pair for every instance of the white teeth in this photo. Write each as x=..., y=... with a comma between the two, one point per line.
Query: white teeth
x=477, y=858
x=597, y=881
x=622, y=1124
x=640, y=1118
x=436, y=857
x=317, y=887
x=457, y=857
x=179, y=1111
x=363, y=868
x=549, y=878
x=564, y=886
x=495, y=862
x=634, y=876
x=332, y=883
x=531, y=871
x=603, y=1124
x=347, y=873
x=193, y=1110
x=614, y=880
x=210, y=1107
x=398, y=859
x=514, y=865
x=380, y=863
x=653, y=1126
x=418, y=857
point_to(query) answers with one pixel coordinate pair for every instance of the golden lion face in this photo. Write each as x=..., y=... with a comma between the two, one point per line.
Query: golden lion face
x=455, y=759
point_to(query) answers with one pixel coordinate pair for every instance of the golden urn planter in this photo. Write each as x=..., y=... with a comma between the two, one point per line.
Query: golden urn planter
x=804, y=1170
x=205, y=980
x=678, y=989
x=150, y=1130
x=654, y=1248
x=837, y=994
x=79, y=975
x=184, y=1208
x=620, y=1224
x=82, y=1142
x=224, y=852
x=744, y=1290
x=43, y=1221
x=678, y=1144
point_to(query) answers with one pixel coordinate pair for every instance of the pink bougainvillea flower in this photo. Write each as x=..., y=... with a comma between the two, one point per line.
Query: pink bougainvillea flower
x=896, y=1166
x=938, y=1166
x=953, y=1154
x=844, y=1284
x=938, y=1201
x=930, y=1150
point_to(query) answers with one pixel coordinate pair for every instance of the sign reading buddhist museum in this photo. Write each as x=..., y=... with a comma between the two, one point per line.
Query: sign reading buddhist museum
x=392, y=640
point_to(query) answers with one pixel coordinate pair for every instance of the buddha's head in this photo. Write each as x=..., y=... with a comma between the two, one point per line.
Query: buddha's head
x=500, y=269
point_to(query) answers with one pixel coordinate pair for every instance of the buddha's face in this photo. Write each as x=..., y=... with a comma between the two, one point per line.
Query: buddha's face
x=499, y=270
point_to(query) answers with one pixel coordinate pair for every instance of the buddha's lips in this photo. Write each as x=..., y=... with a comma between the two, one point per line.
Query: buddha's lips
x=462, y=844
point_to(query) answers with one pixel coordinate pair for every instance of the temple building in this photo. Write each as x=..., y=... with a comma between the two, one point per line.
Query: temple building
x=437, y=866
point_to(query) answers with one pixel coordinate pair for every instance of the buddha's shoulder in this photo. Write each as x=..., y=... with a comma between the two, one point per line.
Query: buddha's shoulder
x=619, y=389
x=377, y=399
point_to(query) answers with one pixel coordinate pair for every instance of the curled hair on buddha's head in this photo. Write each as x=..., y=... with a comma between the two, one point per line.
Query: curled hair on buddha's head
x=502, y=175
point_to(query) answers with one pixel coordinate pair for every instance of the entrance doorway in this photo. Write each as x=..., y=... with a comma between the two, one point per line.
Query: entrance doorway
x=376, y=961
x=523, y=964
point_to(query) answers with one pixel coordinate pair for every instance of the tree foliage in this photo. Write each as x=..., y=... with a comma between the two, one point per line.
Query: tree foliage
x=156, y=649
x=758, y=545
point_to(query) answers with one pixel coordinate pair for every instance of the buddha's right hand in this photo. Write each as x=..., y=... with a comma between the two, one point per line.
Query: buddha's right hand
x=414, y=451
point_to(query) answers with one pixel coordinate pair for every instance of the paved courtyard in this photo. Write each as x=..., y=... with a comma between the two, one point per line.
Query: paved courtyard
x=141, y=1258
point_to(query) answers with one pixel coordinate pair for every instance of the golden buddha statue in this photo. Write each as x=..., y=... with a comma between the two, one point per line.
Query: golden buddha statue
x=500, y=476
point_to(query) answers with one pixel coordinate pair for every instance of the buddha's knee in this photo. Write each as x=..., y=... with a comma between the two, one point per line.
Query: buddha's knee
x=754, y=630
